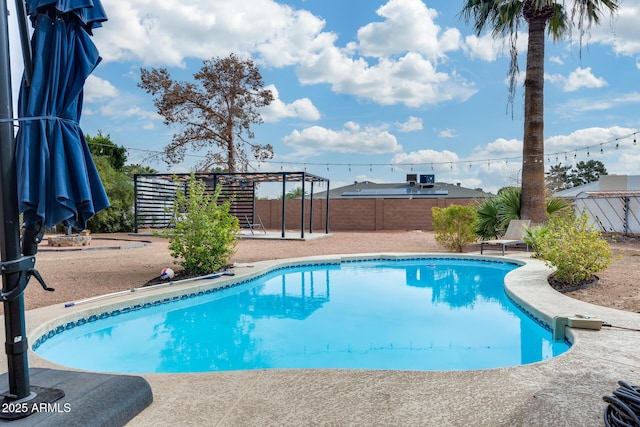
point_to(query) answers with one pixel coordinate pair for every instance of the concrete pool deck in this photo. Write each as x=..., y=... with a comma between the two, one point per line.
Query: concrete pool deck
x=564, y=391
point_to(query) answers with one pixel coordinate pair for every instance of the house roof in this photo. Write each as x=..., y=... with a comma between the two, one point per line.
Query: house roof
x=372, y=190
x=607, y=185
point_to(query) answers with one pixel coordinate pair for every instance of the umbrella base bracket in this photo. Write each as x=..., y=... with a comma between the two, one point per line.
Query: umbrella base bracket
x=41, y=399
x=21, y=265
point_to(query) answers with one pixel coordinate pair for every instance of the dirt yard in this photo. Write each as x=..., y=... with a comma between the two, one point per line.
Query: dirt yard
x=78, y=274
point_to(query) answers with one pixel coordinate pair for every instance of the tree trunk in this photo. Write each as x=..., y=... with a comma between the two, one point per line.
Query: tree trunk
x=533, y=204
x=231, y=149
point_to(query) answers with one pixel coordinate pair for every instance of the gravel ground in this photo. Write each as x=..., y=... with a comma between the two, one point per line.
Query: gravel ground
x=117, y=262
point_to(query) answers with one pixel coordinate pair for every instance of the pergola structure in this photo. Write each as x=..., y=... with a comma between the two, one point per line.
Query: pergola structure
x=155, y=193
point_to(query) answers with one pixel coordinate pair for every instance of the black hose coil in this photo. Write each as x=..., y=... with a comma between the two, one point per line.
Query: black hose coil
x=624, y=407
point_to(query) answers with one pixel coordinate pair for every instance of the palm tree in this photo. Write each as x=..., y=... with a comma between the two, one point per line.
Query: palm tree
x=504, y=18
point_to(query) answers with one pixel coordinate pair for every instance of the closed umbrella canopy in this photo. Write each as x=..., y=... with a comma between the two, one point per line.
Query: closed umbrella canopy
x=57, y=179
x=47, y=171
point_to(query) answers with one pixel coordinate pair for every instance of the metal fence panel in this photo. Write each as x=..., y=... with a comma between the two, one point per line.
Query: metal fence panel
x=612, y=214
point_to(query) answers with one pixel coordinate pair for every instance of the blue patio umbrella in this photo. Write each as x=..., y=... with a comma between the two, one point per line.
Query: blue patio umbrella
x=46, y=171
x=57, y=179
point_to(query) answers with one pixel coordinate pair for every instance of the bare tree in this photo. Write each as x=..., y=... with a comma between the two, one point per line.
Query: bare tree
x=215, y=112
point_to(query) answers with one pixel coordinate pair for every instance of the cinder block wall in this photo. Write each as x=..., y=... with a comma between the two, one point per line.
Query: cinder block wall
x=355, y=214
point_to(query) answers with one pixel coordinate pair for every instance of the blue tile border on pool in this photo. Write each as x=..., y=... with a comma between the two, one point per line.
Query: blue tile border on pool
x=118, y=311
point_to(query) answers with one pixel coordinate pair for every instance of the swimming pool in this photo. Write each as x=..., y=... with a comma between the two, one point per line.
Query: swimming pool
x=411, y=314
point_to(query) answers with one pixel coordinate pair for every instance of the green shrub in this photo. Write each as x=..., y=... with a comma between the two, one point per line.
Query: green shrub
x=205, y=233
x=533, y=237
x=119, y=188
x=575, y=248
x=455, y=226
x=495, y=213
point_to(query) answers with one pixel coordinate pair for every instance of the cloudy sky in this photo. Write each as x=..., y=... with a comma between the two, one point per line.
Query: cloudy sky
x=373, y=89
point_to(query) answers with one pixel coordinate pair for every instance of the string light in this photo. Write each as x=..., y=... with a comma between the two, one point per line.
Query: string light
x=536, y=159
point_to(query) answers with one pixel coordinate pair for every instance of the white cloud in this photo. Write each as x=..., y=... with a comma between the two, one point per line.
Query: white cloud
x=557, y=60
x=300, y=108
x=488, y=48
x=410, y=80
x=624, y=40
x=351, y=139
x=577, y=79
x=426, y=157
x=406, y=45
x=590, y=137
x=408, y=26
x=412, y=124
x=166, y=33
x=96, y=89
x=485, y=47
x=447, y=133
x=581, y=105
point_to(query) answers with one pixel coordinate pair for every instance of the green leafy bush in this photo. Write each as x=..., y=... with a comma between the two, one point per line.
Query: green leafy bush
x=574, y=247
x=119, y=216
x=205, y=233
x=533, y=237
x=455, y=226
x=495, y=213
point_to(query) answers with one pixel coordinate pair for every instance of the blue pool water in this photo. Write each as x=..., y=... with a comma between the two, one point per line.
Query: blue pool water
x=428, y=314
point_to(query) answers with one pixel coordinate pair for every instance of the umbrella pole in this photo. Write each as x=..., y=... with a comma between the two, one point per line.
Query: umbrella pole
x=14, y=268
x=10, y=228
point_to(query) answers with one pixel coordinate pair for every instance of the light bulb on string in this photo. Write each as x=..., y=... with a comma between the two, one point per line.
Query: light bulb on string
x=565, y=156
x=431, y=166
x=601, y=149
x=634, y=139
x=451, y=165
x=349, y=168
x=391, y=168
x=370, y=168
x=280, y=166
x=587, y=151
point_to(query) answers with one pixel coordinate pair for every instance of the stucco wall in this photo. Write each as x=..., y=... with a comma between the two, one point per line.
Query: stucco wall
x=355, y=214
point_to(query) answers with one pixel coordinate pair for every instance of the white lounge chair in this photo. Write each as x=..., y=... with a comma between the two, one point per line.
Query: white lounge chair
x=512, y=237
